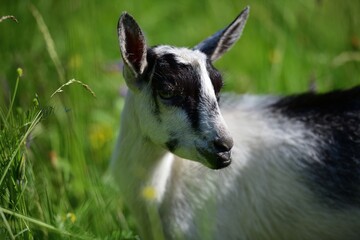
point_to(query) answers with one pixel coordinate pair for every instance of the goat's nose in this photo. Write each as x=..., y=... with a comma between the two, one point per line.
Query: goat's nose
x=223, y=144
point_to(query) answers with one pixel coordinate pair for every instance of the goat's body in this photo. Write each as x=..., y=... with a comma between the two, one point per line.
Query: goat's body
x=280, y=185
x=295, y=161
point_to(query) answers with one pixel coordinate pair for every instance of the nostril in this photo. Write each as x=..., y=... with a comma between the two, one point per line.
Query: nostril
x=223, y=144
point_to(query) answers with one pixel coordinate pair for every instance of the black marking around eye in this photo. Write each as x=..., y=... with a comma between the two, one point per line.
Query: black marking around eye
x=215, y=77
x=183, y=79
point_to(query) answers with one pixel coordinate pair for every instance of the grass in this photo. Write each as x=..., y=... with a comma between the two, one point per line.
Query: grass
x=56, y=138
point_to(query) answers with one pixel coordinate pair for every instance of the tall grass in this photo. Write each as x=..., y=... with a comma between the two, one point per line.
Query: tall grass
x=56, y=138
x=16, y=128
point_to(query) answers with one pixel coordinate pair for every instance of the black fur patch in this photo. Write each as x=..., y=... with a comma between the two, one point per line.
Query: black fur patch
x=216, y=78
x=335, y=118
x=182, y=80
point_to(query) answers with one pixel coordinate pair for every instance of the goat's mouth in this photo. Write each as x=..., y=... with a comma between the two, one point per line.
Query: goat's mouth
x=216, y=160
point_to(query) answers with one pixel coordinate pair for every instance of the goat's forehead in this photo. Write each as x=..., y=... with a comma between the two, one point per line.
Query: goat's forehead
x=199, y=69
x=189, y=72
x=182, y=55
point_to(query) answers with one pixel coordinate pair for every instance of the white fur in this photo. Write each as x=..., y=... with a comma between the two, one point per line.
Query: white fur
x=160, y=176
x=183, y=55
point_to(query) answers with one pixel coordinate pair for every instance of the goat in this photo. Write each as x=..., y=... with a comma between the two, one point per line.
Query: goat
x=290, y=165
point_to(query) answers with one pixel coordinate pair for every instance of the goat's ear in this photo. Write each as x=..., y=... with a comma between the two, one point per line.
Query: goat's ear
x=133, y=49
x=216, y=45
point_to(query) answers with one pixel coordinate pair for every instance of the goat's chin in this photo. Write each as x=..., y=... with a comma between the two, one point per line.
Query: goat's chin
x=215, y=160
x=210, y=159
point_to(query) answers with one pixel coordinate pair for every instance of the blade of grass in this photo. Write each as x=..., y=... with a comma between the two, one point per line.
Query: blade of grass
x=19, y=71
x=87, y=88
x=41, y=224
x=35, y=221
x=49, y=42
x=21, y=232
x=7, y=225
x=31, y=127
x=2, y=117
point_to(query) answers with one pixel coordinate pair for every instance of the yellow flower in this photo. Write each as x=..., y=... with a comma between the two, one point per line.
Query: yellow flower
x=100, y=135
x=71, y=216
x=149, y=193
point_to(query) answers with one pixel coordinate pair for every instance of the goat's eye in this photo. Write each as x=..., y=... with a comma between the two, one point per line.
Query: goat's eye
x=167, y=94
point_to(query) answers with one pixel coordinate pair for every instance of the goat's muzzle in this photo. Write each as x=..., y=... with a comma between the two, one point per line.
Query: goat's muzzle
x=219, y=155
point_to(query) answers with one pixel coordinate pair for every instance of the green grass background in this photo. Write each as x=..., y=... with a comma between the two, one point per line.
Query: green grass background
x=54, y=151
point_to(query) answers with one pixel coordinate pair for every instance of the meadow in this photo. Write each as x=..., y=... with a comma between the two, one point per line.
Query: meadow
x=62, y=91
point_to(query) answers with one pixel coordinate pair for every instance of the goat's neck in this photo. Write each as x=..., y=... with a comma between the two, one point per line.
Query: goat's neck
x=134, y=162
x=135, y=157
